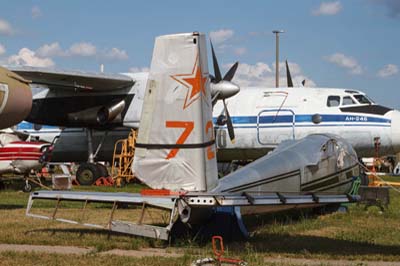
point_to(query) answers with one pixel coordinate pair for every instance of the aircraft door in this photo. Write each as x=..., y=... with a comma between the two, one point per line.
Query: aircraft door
x=275, y=125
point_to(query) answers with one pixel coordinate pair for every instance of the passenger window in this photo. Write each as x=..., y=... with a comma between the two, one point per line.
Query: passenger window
x=333, y=101
x=347, y=100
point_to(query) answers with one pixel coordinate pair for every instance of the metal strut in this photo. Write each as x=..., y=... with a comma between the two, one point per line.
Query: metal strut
x=89, y=135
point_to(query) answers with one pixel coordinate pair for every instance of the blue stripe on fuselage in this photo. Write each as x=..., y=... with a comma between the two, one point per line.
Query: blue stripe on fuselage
x=270, y=119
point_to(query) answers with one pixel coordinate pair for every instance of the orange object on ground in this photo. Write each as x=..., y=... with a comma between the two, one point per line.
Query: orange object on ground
x=219, y=253
x=104, y=181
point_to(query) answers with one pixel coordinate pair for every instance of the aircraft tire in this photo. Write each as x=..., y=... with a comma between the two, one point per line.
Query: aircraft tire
x=27, y=187
x=87, y=174
x=102, y=170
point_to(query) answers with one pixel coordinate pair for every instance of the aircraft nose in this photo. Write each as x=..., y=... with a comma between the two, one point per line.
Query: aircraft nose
x=396, y=131
x=15, y=98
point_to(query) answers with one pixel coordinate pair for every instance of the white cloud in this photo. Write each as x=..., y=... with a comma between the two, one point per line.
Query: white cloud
x=50, y=50
x=115, y=54
x=346, y=62
x=5, y=28
x=221, y=36
x=2, y=49
x=27, y=57
x=36, y=12
x=82, y=49
x=240, y=51
x=138, y=69
x=293, y=67
x=260, y=74
x=388, y=70
x=328, y=9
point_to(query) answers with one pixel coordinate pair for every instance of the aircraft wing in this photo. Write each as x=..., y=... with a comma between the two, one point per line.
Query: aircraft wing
x=74, y=80
x=181, y=205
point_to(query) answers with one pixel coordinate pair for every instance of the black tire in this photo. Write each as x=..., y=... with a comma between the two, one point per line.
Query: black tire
x=103, y=170
x=87, y=174
x=27, y=187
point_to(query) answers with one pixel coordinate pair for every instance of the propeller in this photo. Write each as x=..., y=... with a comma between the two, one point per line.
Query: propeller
x=223, y=88
x=229, y=124
x=288, y=76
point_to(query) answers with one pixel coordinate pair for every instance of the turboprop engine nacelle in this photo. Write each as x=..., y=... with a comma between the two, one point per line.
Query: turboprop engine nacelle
x=99, y=115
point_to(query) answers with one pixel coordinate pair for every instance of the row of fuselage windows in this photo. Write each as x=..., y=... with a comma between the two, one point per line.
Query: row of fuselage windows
x=335, y=100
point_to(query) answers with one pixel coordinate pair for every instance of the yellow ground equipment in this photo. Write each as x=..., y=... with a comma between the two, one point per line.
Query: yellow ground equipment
x=124, y=151
x=374, y=179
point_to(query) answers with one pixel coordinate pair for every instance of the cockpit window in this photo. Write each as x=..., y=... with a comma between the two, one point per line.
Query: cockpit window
x=362, y=99
x=347, y=100
x=333, y=101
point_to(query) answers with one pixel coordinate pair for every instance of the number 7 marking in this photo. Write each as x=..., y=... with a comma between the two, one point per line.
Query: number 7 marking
x=188, y=126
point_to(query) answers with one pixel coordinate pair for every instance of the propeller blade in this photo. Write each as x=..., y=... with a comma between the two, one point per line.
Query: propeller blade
x=217, y=72
x=288, y=76
x=214, y=98
x=303, y=82
x=229, y=124
x=229, y=75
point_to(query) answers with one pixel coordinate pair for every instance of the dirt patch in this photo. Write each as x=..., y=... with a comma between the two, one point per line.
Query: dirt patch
x=175, y=253
x=145, y=252
x=46, y=249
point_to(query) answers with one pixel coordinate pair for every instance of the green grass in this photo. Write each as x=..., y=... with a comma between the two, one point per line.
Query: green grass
x=17, y=259
x=365, y=234
x=356, y=235
x=393, y=178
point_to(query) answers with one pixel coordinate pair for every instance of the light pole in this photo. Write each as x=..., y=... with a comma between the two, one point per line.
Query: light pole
x=276, y=32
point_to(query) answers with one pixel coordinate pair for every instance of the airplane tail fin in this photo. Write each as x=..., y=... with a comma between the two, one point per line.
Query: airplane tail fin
x=175, y=147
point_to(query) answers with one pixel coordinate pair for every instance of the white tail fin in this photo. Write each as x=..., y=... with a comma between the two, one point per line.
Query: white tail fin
x=175, y=146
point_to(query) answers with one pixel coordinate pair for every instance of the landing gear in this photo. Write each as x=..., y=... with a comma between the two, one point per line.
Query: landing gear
x=27, y=187
x=87, y=173
x=103, y=170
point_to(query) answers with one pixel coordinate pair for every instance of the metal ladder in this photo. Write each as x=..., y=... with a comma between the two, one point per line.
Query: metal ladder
x=124, y=151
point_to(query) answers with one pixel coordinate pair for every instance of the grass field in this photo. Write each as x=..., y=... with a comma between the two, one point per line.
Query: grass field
x=358, y=234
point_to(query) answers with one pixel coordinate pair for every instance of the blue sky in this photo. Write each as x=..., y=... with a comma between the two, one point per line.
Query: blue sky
x=352, y=44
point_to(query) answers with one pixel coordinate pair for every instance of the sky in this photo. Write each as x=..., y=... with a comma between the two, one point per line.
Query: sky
x=343, y=44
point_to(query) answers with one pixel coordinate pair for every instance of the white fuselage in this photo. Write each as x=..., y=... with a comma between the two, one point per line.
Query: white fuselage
x=263, y=117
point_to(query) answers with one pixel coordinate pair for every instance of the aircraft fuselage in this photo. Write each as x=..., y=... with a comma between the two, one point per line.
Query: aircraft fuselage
x=262, y=117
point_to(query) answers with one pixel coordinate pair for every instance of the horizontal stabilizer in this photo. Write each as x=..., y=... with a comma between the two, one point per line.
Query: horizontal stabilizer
x=171, y=203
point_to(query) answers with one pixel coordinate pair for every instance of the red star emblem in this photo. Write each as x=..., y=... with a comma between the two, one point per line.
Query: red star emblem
x=195, y=82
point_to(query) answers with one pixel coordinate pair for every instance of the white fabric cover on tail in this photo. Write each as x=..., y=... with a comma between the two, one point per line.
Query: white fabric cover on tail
x=175, y=147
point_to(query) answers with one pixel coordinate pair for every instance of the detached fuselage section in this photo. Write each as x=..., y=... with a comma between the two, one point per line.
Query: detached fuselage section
x=316, y=163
